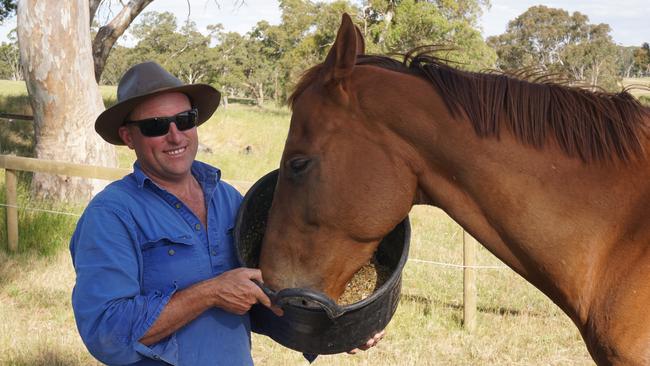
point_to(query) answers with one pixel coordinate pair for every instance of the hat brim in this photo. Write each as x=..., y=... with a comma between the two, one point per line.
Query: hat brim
x=203, y=97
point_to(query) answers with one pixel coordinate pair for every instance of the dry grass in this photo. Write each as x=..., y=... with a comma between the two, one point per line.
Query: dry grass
x=642, y=86
x=517, y=325
x=36, y=322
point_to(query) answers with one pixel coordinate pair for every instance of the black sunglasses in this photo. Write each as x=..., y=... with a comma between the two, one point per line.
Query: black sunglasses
x=159, y=126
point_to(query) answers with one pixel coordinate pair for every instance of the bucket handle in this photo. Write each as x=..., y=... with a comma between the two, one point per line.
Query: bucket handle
x=284, y=296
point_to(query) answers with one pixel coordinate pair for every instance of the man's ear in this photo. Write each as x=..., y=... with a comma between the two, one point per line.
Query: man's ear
x=125, y=135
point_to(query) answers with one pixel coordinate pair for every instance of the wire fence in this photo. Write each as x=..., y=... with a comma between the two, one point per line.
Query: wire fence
x=414, y=260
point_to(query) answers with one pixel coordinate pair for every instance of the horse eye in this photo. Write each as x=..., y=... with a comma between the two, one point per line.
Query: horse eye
x=298, y=165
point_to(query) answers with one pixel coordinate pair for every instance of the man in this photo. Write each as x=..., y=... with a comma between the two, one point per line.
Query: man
x=157, y=278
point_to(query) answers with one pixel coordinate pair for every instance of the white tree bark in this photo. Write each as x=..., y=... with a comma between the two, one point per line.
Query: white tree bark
x=55, y=50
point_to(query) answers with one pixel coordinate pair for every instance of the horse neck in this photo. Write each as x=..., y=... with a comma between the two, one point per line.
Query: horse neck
x=552, y=218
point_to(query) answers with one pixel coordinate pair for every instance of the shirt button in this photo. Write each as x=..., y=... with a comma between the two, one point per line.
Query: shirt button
x=178, y=205
x=171, y=252
x=197, y=226
x=214, y=252
x=156, y=357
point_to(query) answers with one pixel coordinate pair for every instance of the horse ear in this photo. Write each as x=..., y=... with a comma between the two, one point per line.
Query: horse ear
x=361, y=43
x=343, y=55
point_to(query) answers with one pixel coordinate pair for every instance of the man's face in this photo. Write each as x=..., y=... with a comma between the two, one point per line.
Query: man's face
x=165, y=158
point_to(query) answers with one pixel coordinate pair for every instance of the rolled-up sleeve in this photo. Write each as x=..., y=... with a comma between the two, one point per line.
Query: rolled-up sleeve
x=111, y=311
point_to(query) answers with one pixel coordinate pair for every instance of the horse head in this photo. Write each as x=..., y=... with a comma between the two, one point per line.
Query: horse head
x=341, y=188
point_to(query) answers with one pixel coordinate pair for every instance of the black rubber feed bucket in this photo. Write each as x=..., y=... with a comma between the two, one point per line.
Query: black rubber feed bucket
x=312, y=322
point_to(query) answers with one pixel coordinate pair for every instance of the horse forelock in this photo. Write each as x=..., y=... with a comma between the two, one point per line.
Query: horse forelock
x=592, y=125
x=308, y=78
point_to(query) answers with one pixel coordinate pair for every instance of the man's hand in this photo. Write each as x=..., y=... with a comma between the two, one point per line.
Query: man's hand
x=235, y=292
x=371, y=343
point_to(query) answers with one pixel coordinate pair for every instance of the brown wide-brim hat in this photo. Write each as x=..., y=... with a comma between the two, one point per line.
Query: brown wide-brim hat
x=143, y=81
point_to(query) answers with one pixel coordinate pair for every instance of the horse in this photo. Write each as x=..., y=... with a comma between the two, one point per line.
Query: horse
x=550, y=178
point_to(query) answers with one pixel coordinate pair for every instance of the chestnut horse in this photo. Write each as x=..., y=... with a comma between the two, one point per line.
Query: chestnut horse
x=553, y=180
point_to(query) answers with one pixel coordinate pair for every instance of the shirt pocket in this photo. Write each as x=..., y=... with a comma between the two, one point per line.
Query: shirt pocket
x=170, y=260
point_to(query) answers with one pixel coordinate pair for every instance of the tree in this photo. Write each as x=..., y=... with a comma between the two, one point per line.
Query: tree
x=309, y=28
x=300, y=51
x=558, y=42
x=642, y=59
x=184, y=51
x=592, y=59
x=230, y=53
x=9, y=54
x=7, y=8
x=537, y=37
x=397, y=26
x=108, y=34
x=266, y=61
x=117, y=63
x=244, y=68
x=272, y=43
x=55, y=51
x=626, y=60
x=10, y=59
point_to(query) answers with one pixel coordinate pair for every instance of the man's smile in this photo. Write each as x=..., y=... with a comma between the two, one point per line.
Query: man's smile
x=176, y=151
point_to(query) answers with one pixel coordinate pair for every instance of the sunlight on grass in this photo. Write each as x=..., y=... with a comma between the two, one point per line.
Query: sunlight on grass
x=517, y=325
x=642, y=86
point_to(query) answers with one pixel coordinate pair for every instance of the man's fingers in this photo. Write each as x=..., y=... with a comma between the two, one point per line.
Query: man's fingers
x=264, y=300
x=261, y=297
x=236, y=292
x=379, y=336
x=369, y=344
x=277, y=310
x=254, y=274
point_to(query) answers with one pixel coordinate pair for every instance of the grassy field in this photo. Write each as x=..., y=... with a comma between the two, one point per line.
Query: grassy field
x=643, y=85
x=517, y=325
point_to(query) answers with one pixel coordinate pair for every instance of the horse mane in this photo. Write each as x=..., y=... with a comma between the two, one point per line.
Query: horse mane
x=593, y=125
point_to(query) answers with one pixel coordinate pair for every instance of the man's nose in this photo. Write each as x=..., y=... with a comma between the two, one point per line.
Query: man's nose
x=174, y=134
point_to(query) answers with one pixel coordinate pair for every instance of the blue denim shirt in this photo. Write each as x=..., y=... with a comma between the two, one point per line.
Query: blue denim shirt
x=134, y=246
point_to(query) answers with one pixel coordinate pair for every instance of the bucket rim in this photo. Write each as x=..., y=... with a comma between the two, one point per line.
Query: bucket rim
x=394, y=277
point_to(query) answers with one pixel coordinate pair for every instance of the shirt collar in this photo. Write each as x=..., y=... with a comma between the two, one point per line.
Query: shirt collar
x=208, y=176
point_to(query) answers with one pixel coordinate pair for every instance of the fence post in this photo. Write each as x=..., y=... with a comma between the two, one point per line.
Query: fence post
x=469, y=282
x=12, y=211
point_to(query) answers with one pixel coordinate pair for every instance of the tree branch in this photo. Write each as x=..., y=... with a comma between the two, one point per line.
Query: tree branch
x=108, y=34
x=94, y=5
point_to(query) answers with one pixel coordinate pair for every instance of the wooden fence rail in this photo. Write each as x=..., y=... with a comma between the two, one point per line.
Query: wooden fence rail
x=11, y=164
x=16, y=116
x=62, y=168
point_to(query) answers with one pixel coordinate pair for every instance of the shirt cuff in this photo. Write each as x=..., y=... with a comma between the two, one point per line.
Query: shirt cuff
x=166, y=349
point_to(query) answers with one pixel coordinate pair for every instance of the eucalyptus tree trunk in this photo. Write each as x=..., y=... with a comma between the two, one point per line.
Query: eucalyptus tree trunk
x=56, y=55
